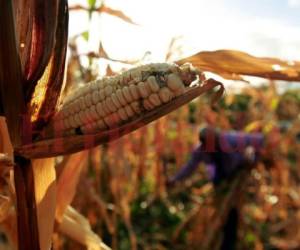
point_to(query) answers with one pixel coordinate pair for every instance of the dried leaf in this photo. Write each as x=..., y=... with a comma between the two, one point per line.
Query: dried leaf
x=231, y=63
x=5, y=143
x=76, y=227
x=45, y=196
x=67, y=182
x=217, y=95
x=173, y=48
x=9, y=227
x=48, y=88
x=43, y=25
x=109, y=71
x=103, y=54
x=77, y=7
x=117, y=13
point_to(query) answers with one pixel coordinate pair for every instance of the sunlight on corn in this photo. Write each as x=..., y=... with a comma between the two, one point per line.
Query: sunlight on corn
x=40, y=91
x=112, y=101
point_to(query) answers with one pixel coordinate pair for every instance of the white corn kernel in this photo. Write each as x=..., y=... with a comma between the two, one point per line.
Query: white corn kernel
x=85, y=90
x=126, y=94
x=95, y=97
x=101, y=125
x=88, y=116
x=110, y=105
x=143, y=90
x=88, y=99
x=147, y=104
x=108, y=90
x=179, y=91
x=112, y=119
x=82, y=103
x=121, y=98
x=129, y=110
x=122, y=113
x=93, y=113
x=102, y=94
x=100, y=84
x=154, y=87
x=115, y=100
x=165, y=94
x=174, y=82
x=134, y=91
x=105, y=108
x=154, y=99
x=99, y=109
x=93, y=86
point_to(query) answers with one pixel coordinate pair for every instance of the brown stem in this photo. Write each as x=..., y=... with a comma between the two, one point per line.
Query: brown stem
x=28, y=236
x=13, y=107
x=12, y=100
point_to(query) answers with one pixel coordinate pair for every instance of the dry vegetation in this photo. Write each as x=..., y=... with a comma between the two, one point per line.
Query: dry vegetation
x=121, y=187
x=138, y=210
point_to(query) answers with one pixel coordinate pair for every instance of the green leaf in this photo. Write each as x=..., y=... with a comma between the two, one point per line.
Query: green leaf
x=85, y=35
x=250, y=238
x=91, y=3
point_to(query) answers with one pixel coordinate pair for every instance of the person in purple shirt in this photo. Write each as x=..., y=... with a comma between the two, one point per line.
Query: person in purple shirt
x=223, y=153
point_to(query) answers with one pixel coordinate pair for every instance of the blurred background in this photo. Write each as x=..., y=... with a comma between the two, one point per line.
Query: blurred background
x=127, y=188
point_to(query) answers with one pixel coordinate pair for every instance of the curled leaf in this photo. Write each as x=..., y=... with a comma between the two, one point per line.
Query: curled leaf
x=230, y=63
x=36, y=29
x=67, y=182
x=48, y=88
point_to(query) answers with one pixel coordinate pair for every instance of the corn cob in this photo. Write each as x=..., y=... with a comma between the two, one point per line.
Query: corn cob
x=112, y=101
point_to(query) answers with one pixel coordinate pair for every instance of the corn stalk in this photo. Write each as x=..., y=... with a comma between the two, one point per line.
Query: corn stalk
x=13, y=106
x=34, y=180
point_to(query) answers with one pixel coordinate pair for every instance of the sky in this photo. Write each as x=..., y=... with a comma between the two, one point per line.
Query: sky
x=260, y=27
x=285, y=10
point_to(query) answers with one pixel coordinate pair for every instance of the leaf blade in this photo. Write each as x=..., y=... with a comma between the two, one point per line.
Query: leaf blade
x=233, y=62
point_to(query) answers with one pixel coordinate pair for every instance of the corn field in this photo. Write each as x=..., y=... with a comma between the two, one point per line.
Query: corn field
x=104, y=153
